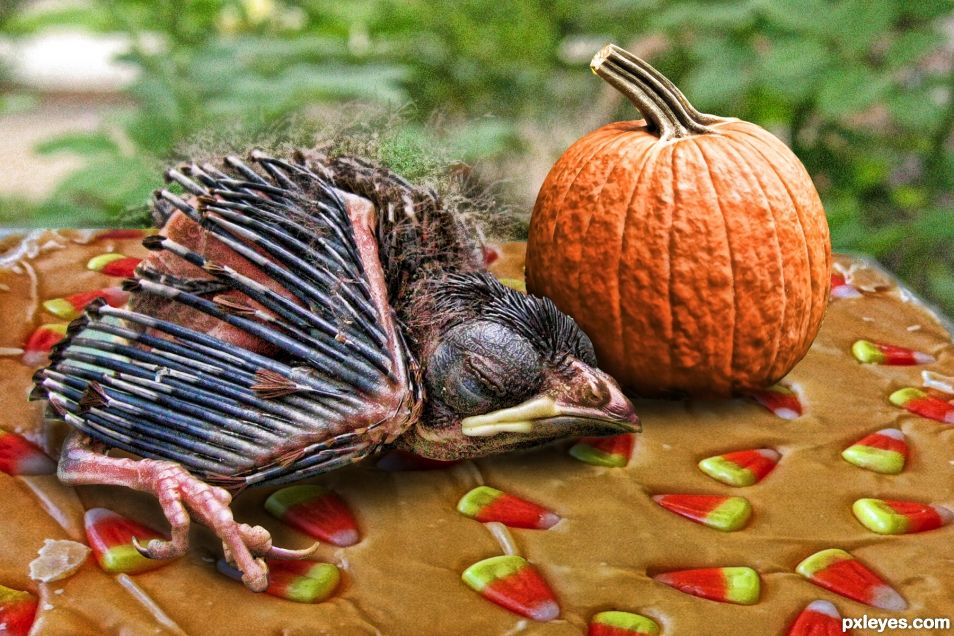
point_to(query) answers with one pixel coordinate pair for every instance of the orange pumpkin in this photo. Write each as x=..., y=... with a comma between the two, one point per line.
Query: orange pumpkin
x=693, y=249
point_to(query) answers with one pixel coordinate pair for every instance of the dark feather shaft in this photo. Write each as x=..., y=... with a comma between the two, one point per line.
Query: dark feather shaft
x=350, y=371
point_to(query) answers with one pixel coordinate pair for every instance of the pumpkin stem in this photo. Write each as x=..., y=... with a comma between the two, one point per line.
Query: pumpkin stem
x=665, y=108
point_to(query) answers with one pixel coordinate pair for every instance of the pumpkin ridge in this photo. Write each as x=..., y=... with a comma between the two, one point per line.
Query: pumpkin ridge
x=582, y=167
x=789, y=360
x=548, y=196
x=756, y=309
x=595, y=208
x=603, y=223
x=809, y=335
x=648, y=157
x=744, y=162
x=646, y=318
x=564, y=219
x=728, y=245
x=707, y=325
x=798, y=167
x=565, y=165
x=673, y=208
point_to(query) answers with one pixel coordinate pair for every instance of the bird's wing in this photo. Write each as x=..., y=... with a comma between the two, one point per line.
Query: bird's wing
x=417, y=231
x=259, y=345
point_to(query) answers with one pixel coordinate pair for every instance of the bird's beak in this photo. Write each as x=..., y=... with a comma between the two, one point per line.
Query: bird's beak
x=589, y=403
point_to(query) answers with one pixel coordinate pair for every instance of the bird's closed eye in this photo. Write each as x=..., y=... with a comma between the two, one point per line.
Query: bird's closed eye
x=481, y=366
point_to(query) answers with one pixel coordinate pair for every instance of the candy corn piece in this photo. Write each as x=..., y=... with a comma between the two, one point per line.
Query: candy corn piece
x=780, y=400
x=316, y=511
x=113, y=264
x=839, y=572
x=886, y=516
x=17, y=611
x=38, y=345
x=613, y=451
x=514, y=584
x=399, y=461
x=20, y=457
x=301, y=581
x=484, y=504
x=110, y=536
x=841, y=289
x=72, y=306
x=615, y=623
x=739, y=585
x=740, y=468
x=819, y=618
x=727, y=514
x=924, y=404
x=882, y=452
x=891, y=355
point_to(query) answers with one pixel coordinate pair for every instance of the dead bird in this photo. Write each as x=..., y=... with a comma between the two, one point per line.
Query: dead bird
x=295, y=316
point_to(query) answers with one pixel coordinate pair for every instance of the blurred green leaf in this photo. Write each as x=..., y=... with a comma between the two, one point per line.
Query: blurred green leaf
x=915, y=109
x=849, y=89
x=911, y=46
x=728, y=15
x=720, y=74
x=857, y=25
x=793, y=66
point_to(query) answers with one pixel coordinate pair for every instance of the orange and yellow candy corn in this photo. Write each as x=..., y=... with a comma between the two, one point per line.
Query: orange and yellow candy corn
x=931, y=405
x=70, y=307
x=114, y=264
x=819, y=618
x=316, y=511
x=727, y=514
x=888, y=516
x=883, y=452
x=486, y=504
x=110, y=536
x=514, y=584
x=839, y=572
x=741, y=468
x=20, y=457
x=41, y=341
x=613, y=451
x=739, y=585
x=615, y=623
x=892, y=355
x=780, y=400
x=17, y=611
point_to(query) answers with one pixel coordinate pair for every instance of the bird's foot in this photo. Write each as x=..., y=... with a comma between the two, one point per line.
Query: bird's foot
x=178, y=492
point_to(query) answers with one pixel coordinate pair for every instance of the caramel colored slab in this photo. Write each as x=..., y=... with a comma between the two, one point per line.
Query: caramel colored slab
x=404, y=576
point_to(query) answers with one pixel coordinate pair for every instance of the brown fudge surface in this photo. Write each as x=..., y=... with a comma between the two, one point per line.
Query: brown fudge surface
x=403, y=577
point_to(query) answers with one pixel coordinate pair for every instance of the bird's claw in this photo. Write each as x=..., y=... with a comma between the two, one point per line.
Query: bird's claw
x=290, y=555
x=158, y=549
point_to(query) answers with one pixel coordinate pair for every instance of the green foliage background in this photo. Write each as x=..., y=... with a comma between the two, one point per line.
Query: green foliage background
x=862, y=90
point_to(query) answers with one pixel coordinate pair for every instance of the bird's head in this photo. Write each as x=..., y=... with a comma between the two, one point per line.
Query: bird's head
x=504, y=370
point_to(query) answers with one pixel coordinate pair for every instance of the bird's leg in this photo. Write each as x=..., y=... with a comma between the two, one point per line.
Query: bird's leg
x=84, y=461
